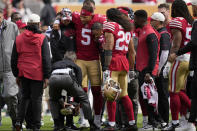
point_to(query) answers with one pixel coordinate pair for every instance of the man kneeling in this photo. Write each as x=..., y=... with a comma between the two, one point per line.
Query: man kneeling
x=66, y=75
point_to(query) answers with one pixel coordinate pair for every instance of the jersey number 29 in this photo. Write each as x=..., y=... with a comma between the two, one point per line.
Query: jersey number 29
x=124, y=37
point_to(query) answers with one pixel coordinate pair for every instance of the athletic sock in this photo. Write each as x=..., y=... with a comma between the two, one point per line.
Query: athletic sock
x=175, y=105
x=128, y=107
x=111, y=108
x=97, y=99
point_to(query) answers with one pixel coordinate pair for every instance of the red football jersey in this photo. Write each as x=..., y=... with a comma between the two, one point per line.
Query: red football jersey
x=87, y=49
x=122, y=39
x=181, y=24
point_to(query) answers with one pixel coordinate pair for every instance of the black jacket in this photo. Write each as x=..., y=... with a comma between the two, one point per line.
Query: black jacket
x=61, y=44
x=191, y=47
x=65, y=63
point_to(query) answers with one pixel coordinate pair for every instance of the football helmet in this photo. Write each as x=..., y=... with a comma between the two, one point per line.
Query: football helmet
x=111, y=90
x=71, y=108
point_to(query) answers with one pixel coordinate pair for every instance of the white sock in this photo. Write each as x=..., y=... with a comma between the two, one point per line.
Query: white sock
x=175, y=122
x=182, y=118
x=82, y=115
x=97, y=120
x=112, y=123
x=97, y=117
x=132, y=122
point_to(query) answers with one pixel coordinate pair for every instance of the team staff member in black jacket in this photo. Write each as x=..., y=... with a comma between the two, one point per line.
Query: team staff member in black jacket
x=191, y=47
x=157, y=21
x=62, y=39
x=31, y=66
x=68, y=76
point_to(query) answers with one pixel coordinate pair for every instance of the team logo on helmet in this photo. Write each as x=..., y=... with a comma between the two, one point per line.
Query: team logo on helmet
x=111, y=90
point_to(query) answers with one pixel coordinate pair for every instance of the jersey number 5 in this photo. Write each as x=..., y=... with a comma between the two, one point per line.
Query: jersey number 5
x=85, y=36
x=188, y=35
x=124, y=37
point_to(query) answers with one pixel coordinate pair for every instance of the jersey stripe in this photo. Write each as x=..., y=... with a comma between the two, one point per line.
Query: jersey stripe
x=175, y=25
x=109, y=26
x=175, y=21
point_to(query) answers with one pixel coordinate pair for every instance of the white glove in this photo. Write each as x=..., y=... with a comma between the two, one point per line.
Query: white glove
x=166, y=70
x=106, y=75
x=191, y=73
x=131, y=75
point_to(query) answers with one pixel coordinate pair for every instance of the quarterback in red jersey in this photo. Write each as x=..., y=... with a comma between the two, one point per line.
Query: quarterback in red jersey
x=118, y=38
x=88, y=54
x=180, y=28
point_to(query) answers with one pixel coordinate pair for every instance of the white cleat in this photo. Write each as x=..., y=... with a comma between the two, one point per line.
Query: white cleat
x=190, y=127
x=84, y=124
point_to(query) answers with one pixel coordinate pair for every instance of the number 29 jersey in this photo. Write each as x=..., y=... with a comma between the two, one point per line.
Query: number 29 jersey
x=181, y=24
x=122, y=39
x=87, y=49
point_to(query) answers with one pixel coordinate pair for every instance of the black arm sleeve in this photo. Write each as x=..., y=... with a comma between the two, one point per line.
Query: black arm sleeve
x=152, y=44
x=165, y=42
x=79, y=75
x=14, y=59
x=46, y=60
x=192, y=43
x=56, y=55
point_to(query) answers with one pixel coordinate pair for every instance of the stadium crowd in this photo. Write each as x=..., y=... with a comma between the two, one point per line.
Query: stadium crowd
x=124, y=57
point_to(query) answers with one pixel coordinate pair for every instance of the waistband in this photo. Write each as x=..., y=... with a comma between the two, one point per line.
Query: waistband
x=59, y=74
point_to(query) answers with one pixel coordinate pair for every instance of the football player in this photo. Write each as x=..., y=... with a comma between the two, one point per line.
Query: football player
x=88, y=54
x=180, y=27
x=191, y=46
x=118, y=41
x=132, y=80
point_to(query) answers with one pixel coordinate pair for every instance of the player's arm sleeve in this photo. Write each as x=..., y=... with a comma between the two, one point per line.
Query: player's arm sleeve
x=152, y=44
x=192, y=43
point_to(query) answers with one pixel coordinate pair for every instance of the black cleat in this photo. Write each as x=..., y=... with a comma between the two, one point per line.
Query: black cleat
x=130, y=128
x=110, y=128
x=94, y=127
x=72, y=128
x=18, y=126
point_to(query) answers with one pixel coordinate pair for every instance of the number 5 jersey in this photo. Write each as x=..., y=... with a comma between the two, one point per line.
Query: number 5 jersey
x=87, y=49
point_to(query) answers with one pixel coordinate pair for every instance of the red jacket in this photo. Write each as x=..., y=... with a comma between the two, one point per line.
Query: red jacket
x=142, y=56
x=28, y=46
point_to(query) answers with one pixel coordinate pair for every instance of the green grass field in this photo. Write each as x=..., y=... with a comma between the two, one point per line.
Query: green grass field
x=48, y=125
